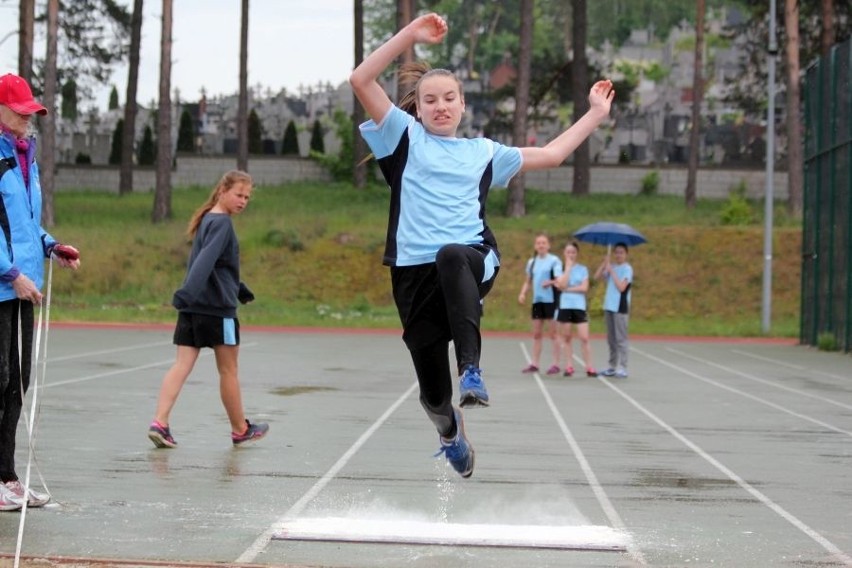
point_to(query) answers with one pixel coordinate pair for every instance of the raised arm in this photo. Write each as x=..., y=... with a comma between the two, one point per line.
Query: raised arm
x=430, y=28
x=558, y=149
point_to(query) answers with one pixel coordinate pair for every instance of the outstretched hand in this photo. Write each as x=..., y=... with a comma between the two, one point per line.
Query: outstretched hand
x=429, y=28
x=601, y=96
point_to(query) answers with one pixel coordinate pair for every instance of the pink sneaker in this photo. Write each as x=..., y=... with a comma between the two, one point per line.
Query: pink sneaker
x=530, y=369
x=569, y=371
x=553, y=370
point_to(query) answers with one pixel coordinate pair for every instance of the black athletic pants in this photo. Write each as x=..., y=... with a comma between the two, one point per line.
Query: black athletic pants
x=438, y=303
x=14, y=371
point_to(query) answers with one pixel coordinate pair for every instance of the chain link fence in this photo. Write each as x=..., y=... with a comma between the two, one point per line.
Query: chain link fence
x=826, y=319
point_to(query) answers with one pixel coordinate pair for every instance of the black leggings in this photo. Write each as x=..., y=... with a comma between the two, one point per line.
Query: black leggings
x=14, y=371
x=438, y=303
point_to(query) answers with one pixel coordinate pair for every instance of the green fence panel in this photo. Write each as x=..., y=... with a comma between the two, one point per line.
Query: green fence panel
x=827, y=205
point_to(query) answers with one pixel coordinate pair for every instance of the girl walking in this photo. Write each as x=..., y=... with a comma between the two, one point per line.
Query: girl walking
x=442, y=255
x=207, y=310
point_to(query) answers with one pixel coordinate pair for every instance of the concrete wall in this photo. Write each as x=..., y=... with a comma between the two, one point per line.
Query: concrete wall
x=206, y=171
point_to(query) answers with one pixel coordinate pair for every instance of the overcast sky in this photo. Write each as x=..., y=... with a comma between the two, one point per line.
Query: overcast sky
x=291, y=42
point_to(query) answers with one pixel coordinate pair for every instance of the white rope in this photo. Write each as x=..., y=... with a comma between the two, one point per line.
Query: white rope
x=30, y=418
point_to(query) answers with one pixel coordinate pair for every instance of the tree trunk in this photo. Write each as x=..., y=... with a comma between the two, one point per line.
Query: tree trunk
x=242, y=105
x=515, y=205
x=163, y=192
x=697, y=95
x=404, y=14
x=580, y=94
x=795, y=153
x=48, y=148
x=125, y=180
x=827, y=36
x=26, y=27
x=359, y=167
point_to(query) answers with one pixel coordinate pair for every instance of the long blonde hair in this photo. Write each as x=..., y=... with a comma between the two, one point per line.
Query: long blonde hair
x=228, y=181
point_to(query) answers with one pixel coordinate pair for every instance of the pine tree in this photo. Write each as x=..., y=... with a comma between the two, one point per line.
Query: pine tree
x=115, y=150
x=147, y=149
x=113, y=98
x=317, y=142
x=255, y=134
x=186, y=133
x=290, y=143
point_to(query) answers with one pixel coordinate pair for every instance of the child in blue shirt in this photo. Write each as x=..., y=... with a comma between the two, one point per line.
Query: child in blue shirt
x=618, y=276
x=573, y=309
x=442, y=255
x=542, y=270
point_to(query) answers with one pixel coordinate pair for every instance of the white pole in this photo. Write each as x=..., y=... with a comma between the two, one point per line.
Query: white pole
x=770, y=171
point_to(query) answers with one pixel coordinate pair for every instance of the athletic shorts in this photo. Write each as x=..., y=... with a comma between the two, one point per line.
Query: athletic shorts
x=200, y=330
x=572, y=316
x=543, y=310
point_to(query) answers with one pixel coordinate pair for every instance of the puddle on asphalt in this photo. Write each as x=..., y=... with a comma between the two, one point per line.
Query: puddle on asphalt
x=300, y=389
x=671, y=478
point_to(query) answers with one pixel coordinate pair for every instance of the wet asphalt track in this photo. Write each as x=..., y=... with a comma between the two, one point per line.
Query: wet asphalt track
x=715, y=453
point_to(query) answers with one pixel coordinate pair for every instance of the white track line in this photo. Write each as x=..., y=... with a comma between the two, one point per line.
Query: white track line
x=805, y=417
x=597, y=488
x=263, y=540
x=109, y=351
x=838, y=554
x=789, y=365
x=205, y=353
x=759, y=380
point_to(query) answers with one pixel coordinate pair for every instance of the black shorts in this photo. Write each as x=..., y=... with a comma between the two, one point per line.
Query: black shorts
x=543, y=310
x=200, y=330
x=572, y=316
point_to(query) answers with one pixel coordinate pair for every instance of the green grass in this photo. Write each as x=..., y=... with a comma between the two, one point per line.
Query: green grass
x=312, y=255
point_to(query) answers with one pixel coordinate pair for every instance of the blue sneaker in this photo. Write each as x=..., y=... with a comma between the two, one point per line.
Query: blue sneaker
x=609, y=372
x=458, y=452
x=621, y=374
x=471, y=388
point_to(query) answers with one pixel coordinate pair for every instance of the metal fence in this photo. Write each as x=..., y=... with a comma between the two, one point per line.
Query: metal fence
x=826, y=235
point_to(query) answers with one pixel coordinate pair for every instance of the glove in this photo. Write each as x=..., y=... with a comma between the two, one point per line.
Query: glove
x=244, y=295
x=66, y=252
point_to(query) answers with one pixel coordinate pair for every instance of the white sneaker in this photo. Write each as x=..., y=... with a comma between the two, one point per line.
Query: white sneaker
x=34, y=498
x=9, y=501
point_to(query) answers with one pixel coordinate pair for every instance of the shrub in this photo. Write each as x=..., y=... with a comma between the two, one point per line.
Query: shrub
x=737, y=210
x=650, y=184
x=255, y=133
x=317, y=141
x=186, y=133
x=827, y=341
x=115, y=149
x=339, y=166
x=147, y=150
x=290, y=144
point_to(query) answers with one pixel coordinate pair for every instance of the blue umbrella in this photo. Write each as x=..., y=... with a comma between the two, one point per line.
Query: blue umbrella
x=609, y=234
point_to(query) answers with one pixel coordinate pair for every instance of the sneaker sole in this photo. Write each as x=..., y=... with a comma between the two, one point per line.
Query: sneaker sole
x=248, y=441
x=470, y=400
x=159, y=441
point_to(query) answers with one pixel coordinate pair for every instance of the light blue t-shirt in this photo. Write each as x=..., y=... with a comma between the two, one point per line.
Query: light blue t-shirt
x=540, y=269
x=438, y=187
x=612, y=298
x=574, y=300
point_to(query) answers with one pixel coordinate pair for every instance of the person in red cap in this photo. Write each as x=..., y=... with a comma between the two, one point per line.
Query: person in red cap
x=24, y=245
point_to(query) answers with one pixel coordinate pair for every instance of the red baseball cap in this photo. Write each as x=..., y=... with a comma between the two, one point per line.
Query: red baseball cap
x=16, y=94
